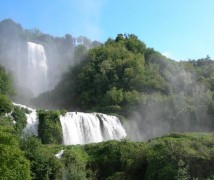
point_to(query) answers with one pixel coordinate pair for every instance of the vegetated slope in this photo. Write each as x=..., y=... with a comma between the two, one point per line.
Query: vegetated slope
x=173, y=156
x=13, y=164
x=156, y=94
x=109, y=77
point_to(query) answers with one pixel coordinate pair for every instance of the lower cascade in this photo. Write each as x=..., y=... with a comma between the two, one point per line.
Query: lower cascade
x=81, y=128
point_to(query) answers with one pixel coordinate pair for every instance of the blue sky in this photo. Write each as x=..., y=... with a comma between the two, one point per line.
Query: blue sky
x=181, y=29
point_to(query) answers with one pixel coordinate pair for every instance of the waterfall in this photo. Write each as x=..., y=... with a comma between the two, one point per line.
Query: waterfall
x=81, y=128
x=32, y=121
x=36, y=69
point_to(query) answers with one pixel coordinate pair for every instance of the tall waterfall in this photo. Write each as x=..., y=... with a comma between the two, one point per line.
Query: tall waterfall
x=36, y=69
x=81, y=128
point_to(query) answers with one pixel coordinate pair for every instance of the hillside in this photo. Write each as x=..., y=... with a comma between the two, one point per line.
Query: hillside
x=155, y=94
x=165, y=106
x=173, y=157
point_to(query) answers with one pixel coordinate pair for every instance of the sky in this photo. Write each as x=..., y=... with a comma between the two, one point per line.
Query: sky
x=179, y=29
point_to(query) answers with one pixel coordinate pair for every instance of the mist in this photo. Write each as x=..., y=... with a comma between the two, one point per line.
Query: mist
x=186, y=110
x=37, y=60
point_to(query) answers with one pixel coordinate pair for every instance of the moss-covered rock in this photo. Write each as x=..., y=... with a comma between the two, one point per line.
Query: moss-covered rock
x=50, y=130
x=20, y=118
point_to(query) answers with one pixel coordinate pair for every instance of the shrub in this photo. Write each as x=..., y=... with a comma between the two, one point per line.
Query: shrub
x=13, y=163
x=5, y=105
x=20, y=118
x=50, y=130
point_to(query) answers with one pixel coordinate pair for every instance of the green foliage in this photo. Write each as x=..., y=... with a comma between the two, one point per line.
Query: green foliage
x=20, y=118
x=42, y=161
x=116, y=159
x=113, y=74
x=6, y=121
x=6, y=82
x=115, y=96
x=5, y=105
x=13, y=163
x=50, y=130
x=182, y=171
x=74, y=161
x=173, y=156
x=164, y=156
x=113, y=109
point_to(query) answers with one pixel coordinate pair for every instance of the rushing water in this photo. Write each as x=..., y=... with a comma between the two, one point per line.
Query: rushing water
x=37, y=69
x=81, y=128
x=32, y=121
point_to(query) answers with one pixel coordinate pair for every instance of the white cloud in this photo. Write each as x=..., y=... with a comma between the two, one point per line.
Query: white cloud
x=168, y=54
x=171, y=55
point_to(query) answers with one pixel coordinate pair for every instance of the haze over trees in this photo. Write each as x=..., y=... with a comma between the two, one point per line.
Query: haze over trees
x=153, y=95
x=125, y=77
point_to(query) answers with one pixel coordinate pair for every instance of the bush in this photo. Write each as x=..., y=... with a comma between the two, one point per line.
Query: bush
x=13, y=163
x=6, y=82
x=196, y=151
x=173, y=156
x=109, y=109
x=114, y=159
x=20, y=118
x=50, y=130
x=42, y=161
x=75, y=161
x=6, y=105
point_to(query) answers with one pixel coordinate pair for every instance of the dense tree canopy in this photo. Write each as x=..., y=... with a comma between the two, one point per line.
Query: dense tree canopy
x=109, y=77
x=13, y=164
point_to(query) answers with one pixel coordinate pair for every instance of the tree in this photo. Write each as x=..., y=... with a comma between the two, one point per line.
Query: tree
x=43, y=164
x=182, y=171
x=75, y=164
x=13, y=163
x=6, y=82
x=5, y=105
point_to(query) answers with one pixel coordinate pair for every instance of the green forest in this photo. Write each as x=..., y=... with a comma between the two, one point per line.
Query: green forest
x=146, y=90
x=124, y=77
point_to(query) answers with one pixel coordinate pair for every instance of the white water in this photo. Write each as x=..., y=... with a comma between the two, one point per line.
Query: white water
x=59, y=154
x=36, y=69
x=81, y=128
x=32, y=121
